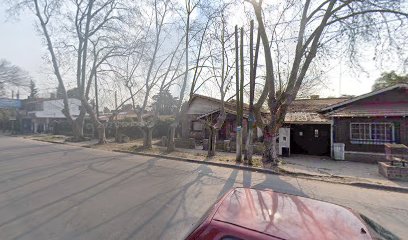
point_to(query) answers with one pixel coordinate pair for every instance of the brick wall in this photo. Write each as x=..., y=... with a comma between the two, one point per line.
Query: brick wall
x=342, y=132
x=364, y=157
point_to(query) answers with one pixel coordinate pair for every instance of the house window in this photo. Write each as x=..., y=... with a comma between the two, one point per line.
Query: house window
x=372, y=133
x=197, y=126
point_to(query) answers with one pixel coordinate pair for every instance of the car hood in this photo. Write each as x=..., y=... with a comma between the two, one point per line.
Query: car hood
x=288, y=216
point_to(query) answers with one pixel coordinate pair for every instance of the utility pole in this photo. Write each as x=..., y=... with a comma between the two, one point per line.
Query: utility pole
x=238, y=129
x=116, y=118
x=241, y=97
x=96, y=97
x=116, y=103
x=251, y=118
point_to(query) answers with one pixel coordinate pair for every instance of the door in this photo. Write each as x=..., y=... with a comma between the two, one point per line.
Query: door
x=284, y=139
x=311, y=139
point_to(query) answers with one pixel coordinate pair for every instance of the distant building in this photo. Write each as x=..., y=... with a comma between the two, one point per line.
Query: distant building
x=38, y=114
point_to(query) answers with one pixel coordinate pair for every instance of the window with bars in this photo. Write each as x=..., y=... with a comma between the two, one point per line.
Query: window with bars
x=196, y=126
x=372, y=133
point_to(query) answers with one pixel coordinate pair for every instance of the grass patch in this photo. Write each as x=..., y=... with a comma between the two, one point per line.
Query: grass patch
x=50, y=138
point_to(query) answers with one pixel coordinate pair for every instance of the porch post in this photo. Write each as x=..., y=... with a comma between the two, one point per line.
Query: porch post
x=331, y=138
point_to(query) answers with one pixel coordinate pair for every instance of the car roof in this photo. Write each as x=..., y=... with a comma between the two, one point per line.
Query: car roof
x=288, y=216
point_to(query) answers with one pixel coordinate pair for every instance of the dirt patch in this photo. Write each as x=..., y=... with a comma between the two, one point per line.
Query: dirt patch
x=48, y=138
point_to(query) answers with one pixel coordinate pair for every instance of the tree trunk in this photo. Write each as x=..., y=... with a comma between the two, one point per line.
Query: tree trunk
x=248, y=146
x=270, y=155
x=117, y=137
x=171, y=145
x=101, y=134
x=78, y=129
x=147, y=137
x=239, y=144
x=212, y=140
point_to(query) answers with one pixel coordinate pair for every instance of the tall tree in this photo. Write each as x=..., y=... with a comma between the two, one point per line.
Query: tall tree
x=80, y=30
x=190, y=6
x=12, y=76
x=219, y=46
x=33, y=90
x=164, y=103
x=253, y=61
x=148, y=66
x=388, y=79
x=315, y=32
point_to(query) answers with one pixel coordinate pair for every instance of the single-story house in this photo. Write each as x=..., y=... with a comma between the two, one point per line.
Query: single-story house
x=362, y=124
x=40, y=113
x=202, y=108
x=307, y=130
x=365, y=123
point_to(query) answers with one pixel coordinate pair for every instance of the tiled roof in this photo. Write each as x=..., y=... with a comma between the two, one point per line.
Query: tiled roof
x=300, y=111
x=370, y=94
x=313, y=105
x=371, y=110
x=306, y=118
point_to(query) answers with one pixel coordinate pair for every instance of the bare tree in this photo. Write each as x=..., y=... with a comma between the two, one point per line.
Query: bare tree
x=221, y=64
x=318, y=25
x=12, y=75
x=190, y=6
x=162, y=64
x=86, y=25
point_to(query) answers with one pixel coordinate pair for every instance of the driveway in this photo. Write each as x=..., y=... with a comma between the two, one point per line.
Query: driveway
x=52, y=191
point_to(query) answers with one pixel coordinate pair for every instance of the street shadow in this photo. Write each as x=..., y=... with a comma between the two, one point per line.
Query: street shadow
x=276, y=183
x=66, y=168
x=229, y=183
x=247, y=179
x=143, y=167
x=176, y=197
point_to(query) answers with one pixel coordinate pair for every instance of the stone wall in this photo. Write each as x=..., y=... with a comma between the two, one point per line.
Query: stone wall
x=393, y=172
x=364, y=157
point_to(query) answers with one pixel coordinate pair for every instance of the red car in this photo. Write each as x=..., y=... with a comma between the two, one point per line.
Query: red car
x=245, y=213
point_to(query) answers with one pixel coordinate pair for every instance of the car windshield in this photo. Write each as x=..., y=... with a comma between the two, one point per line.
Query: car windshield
x=123, y=119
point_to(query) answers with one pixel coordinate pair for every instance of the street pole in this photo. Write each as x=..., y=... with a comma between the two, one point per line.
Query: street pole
x=238, y=127
x=96, y=97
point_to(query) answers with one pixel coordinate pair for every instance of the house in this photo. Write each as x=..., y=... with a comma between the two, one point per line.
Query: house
x=202, y=108
x=365, y=123
x=361, y=124
x=308, y=131
x=38, y=114
x=305, y=130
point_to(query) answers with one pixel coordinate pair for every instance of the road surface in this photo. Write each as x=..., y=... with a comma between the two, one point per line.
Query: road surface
x=52, y=191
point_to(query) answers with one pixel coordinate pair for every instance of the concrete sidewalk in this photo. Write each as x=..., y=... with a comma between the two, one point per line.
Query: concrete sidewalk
x=325, y=166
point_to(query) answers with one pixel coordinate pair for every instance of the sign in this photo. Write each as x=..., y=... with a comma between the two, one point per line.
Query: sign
x=10, y=103
x=251, y=118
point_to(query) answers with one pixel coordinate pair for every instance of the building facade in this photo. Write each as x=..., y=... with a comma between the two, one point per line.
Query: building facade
x=361, y=124
x=367, y=122
x=39, y=114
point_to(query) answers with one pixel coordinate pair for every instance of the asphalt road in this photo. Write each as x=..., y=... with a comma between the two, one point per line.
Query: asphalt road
x=51, y=191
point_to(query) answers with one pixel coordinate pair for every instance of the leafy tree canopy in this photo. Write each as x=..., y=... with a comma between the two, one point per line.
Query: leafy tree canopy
x=33, y=90
x=388, y=79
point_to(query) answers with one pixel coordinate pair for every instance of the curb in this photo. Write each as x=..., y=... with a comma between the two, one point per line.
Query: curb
x=379, y=187
x=269, y=171
x=40, y=140
x=218, y=164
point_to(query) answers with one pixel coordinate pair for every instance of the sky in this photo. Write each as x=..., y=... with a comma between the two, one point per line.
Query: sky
x=23, y=46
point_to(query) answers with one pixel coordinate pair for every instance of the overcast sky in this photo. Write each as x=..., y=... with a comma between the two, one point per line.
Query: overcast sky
x=21, y=45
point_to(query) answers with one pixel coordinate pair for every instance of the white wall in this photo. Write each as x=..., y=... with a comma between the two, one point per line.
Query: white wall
x=202, y=106
x=53, y=108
